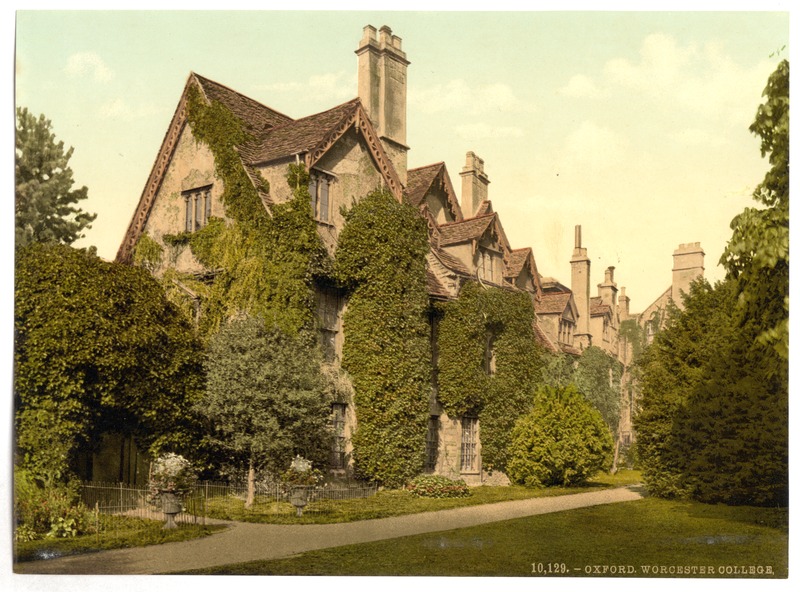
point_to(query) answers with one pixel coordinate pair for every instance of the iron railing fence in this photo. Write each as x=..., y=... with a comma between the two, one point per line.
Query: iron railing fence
x=200, y=503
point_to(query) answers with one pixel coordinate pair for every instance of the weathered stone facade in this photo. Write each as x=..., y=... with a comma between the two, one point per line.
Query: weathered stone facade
x=350, y=150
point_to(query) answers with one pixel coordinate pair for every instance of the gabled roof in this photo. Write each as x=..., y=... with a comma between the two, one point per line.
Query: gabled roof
x=597, y=308
x=517, y=260
x=465, y=230
x=554, y=303
x=275, y=135
x=422, y=179
x=297, y=137
x=256, y=116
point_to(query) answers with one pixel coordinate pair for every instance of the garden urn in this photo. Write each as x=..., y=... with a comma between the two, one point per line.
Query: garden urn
x=299, y=498
x=170, y=505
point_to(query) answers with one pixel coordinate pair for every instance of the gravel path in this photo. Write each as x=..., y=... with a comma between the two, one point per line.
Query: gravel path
x=250, y=542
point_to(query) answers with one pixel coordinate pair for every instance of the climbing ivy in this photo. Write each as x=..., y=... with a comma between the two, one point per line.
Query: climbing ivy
x=380, y=260
x=481, y=322
x=148, y=253
x=265, y=262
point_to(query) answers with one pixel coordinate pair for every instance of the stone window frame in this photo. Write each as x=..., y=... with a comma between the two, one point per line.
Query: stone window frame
x=329, y=318
x=432, y=443
x=197, y=208
x=469, y=461
x=338, y=452
x=319, y=188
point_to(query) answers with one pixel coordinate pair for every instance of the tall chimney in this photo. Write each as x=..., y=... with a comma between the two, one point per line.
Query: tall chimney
x=581, y=269
x=474, y=185
x=608, y=289
x=382, y=88
x=687, y=265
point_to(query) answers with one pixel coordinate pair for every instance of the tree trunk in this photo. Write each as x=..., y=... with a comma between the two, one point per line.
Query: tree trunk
x=251, y=485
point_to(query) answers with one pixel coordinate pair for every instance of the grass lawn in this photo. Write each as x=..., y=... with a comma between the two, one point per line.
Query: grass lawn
x=649, y=537
x=395, y=503
x=124, y=532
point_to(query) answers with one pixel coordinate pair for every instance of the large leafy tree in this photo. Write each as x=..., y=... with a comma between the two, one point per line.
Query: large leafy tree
x=265, y=398
x=757, y=254
x=45, y=200
x=98, y=349
x=671, y=367
x=713, y=421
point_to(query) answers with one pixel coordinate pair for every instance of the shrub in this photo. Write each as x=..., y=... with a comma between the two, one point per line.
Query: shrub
x=562, y=441
x=438, y=487
x=53, y=511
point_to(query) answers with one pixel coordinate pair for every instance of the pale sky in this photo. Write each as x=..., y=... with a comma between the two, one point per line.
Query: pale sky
x=631, y=124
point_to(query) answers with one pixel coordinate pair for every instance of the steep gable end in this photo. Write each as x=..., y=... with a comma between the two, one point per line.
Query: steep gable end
x=425, y=180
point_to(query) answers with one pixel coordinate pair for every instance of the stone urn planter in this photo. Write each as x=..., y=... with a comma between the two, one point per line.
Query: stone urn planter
x=299, y=498
x=171, y=506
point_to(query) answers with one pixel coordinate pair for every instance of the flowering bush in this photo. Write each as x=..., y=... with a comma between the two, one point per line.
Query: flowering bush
x=172, y=473
x=438, y=487
x=300, y=472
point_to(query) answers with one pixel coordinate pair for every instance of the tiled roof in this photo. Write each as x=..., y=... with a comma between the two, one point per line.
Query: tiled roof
x=597, y=308
x=297, y=136
x=459, y=232
x=553, y=303
x=516, y=259
x=419, y=181
x=253, y=113
x=452, y=263
x=435, y=287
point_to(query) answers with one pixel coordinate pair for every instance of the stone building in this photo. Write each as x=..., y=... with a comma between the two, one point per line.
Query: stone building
x=349, y=150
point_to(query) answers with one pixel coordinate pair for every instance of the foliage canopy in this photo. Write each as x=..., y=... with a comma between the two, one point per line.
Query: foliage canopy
x=264, y=399
x=98, y=349
x=563, y=440
x=45, y=201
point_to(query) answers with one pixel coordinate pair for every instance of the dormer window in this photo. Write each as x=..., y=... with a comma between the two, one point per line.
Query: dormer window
x=197, y=208
x=319, y=188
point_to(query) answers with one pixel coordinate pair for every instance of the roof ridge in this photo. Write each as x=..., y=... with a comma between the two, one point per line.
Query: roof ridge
x=202, y=78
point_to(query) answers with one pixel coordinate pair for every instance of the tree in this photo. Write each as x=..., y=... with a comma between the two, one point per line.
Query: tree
x=670, y=367
x=265, y=398
x=595, y=374
x=563, y=440
x=45, y=201
x=757, y=254
x=713, y=418
x=98, y=348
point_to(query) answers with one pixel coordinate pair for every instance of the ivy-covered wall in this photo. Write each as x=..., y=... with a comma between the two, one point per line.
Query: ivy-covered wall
x=265, y=263
x=381, y=261
x=502, y=321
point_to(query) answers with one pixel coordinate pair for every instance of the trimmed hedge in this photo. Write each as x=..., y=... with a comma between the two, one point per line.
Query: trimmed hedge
x=438, y=487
